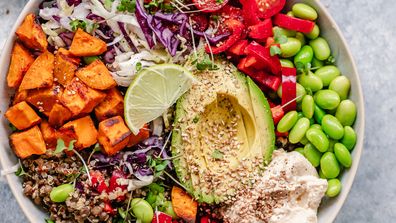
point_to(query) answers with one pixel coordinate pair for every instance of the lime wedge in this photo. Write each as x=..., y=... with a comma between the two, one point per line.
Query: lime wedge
x=153, y=91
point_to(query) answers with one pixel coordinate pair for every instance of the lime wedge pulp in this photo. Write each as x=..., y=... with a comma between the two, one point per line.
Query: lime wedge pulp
x=153, y=91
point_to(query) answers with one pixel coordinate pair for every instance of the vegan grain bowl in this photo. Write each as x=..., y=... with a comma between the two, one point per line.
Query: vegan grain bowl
x=179, y=111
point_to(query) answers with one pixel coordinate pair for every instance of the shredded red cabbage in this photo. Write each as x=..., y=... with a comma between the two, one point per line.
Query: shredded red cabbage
x=127, y=38
x=73, y=2
x=141, y=17
x=67, y=37
x=109, y=56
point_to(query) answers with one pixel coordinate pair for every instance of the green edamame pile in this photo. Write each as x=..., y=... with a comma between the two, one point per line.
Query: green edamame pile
x=322, y=127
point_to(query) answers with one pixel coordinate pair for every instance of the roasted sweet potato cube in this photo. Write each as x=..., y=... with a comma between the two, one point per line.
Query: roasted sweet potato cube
x=27, y=143
x=79, y=98
x=143, y=134
x=85, y=44
x=45, y=99
x=184, y=205
x=113, y=135
x=112, y=105
x=97, y=76
x=59, y=115
x=31, y=34
x=64, y=68
x=19, y=97
x=40, y=73
x=21, y=59
x=49, y=134
x=82, y=130
x=22, y=116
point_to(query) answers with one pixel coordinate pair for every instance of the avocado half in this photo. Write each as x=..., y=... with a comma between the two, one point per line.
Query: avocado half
x=223, y=134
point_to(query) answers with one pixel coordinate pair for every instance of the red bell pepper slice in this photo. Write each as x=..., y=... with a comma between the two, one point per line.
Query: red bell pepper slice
x=289, y=91
x=281, y=134
x=109, y=209
x=160, y=217
x=263, y=54
x=292, y=23
x=238, y=49
x=261, y=31
x=237, y=29
x=277, y=113
x=270, y=81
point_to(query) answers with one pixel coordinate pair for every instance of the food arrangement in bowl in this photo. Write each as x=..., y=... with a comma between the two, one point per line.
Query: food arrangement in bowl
x=178, y=111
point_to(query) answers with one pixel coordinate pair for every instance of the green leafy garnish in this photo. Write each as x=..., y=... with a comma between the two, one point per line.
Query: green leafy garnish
x=49, y=221
x=60, y=146
x=20, y=172
x=158, y=165
x=217, y=154
x=330, y=60
x=138, y=66
x=127, y=6
x=279, y=37
x=219, y=1
x=206, y=64
x=275, y=50
x=303, y=68
x=12, y=127
x=75, y=24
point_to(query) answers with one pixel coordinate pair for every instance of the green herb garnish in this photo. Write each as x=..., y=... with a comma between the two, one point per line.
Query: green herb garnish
x=127, y=6
x=75, y=24
x=275, y=50
x=20, y=172
x=138, y=66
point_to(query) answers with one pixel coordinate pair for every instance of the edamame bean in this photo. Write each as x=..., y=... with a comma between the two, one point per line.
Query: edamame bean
x=301, y=38
x=317, y=63
x=308, y=106
x=290, y=48
x=318, y=139
x=61, y=193
x=333, y=187
x=341, y=85
x=314, y=33
x=343, y=155
x=318, y=114
x=332, y=142
x=312, y=154
x=327, y=99
x=300, y=150
x=346, y=112
x=349, y=139
x=329, y=165
x=298, y=130
x=286, y=63
x=316, y=126
x=327, y=74
x=282, y=31
x=304, y=141
x=300, y=92
x=304, y=56
x=142, y=210
x=332, y=127
x=290, y=13
x=310, y=81
x=304, y=11
x=287, y=122
x=321, y=48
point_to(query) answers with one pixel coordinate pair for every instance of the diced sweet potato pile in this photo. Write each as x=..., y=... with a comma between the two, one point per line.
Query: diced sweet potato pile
x=57, y=97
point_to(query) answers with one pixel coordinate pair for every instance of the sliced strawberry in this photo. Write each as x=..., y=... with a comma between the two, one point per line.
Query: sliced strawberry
x=161, y=217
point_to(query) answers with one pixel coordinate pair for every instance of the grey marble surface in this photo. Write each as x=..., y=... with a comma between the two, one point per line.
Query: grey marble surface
x=370, y=29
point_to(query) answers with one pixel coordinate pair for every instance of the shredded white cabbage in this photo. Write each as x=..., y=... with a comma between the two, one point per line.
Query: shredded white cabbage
x=126, y=64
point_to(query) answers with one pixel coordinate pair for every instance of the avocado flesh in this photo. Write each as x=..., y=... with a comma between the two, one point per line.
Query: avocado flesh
x=223, y=131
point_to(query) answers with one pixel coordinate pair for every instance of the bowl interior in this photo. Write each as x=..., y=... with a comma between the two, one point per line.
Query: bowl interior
x=329, y=208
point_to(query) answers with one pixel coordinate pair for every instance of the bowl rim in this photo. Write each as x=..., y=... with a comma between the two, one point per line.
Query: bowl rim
x=30, y=6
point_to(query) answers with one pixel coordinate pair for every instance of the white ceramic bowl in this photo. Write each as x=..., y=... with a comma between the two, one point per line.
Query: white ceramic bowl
x=329, y=208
